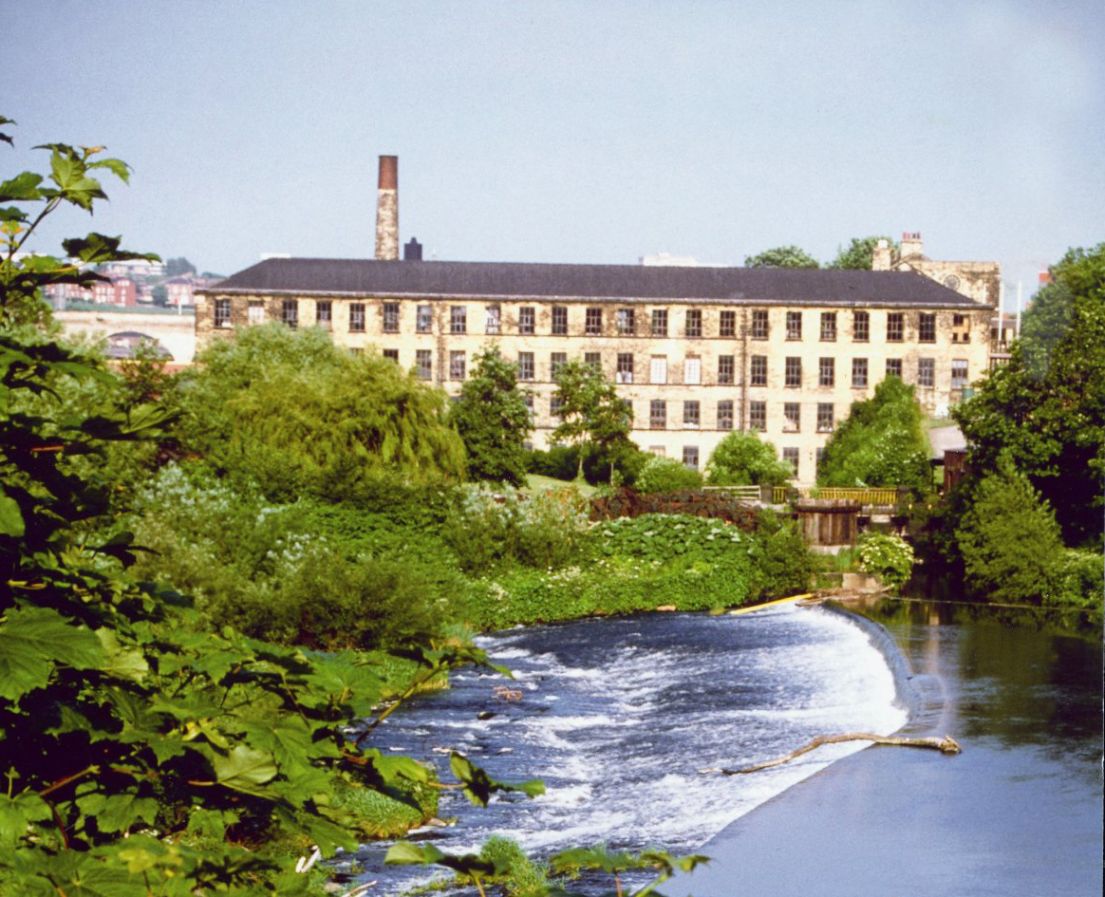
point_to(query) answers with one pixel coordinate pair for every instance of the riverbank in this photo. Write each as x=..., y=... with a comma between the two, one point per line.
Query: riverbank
x=1017, y=814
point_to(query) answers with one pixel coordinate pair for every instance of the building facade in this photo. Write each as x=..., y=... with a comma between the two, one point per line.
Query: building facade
x=696, y=352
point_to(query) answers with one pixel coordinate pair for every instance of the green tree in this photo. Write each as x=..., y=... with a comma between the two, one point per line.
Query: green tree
x=295, y=414
x=493, y=421
x=880, y=443
x=1045, y=409
x=1011, y=546
x=782, y=257
x=743, y=459
x=591, y=415
x=858, y=254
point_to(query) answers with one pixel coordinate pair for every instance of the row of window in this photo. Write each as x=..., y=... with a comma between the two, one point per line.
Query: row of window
x=625, y=321
x=625, y=371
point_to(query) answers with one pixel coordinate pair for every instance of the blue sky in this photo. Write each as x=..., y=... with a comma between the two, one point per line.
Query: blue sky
x=574, y=131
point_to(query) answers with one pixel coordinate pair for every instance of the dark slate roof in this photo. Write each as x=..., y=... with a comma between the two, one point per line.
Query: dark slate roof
x=368, y=277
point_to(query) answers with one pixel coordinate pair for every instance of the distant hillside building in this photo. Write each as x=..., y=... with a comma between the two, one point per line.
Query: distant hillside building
x=696, y=352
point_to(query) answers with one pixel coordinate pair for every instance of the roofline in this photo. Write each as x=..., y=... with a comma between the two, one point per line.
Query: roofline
x=966, y=302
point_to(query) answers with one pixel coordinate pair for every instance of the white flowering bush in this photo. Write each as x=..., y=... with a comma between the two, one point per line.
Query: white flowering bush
x=886, y=556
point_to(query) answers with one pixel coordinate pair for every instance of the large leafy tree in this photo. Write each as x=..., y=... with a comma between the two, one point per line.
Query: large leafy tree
x=592, y=416
x=782, y=257
x=743, y=459
x=1045, y=410
x=295, y=414
x=880, y=443
x=858, y=254
x=493, y=421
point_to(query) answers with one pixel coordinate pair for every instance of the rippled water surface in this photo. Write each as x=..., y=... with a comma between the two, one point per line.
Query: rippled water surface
x=620, y=717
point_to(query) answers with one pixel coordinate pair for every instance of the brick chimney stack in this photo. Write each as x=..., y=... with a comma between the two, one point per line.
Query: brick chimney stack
x=387, y=210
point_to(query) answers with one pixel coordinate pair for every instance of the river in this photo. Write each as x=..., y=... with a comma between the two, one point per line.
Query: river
x=620, y=717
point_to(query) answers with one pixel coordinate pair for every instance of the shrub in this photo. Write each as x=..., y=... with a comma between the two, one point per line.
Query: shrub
x=1009, y=540
x=487, y=527
x=886, y=556
x=1082, y=578
x=667, y=475
x=561, y=462
x=743, y=459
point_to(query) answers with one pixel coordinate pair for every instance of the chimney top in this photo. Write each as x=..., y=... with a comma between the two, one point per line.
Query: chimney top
x=389, y=173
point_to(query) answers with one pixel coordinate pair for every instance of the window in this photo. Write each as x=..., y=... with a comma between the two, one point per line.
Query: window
x=828, y=326
x=727, y=323
x=593, y=322
x=256, y=311
x=694, y=322
x=659, y=322
x=759, y=324
x=926, y=372
x=423, y=364
x=556, y=361
x=493, y=319
x=757, y=372
x=859, y=373
x=559, y=320
x=926, y=328
x=458, y=318
x=826, y=372
x=691, y=414
x=820, y=456
x=625, y=321
x=624, y=373
x=793, y=372
x=424, y=319
x=658, y=369
x=757, y=416
x=628, y=406
x=690, y=456
x=356, y=317
x=392, y=355
x=824, y=417
x=895, y=327
x=790, y=456
x=692, y=370
x=593, y=359
x=861, y=326
x=324, y=314
x=525, y=365
x=725, y=414
x=894, y=367
x=658, y=450
x=725, y=369
x=792, y=417
x=657, y=414
x=222, y=312
x=961, y=329
x=289, y=312
x=526, y=320
x=456, y=365
x=794, y=325
x=391, y=317
x=959, y=373
x=528, y=398
x=555, y=404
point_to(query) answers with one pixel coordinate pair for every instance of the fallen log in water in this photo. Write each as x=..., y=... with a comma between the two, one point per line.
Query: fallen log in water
x=946, y=745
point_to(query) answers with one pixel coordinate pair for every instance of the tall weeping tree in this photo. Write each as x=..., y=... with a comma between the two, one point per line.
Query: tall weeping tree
x=297, y=415
x=493, y=421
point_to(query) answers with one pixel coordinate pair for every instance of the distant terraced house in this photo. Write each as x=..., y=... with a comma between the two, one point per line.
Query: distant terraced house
x=695, y=351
